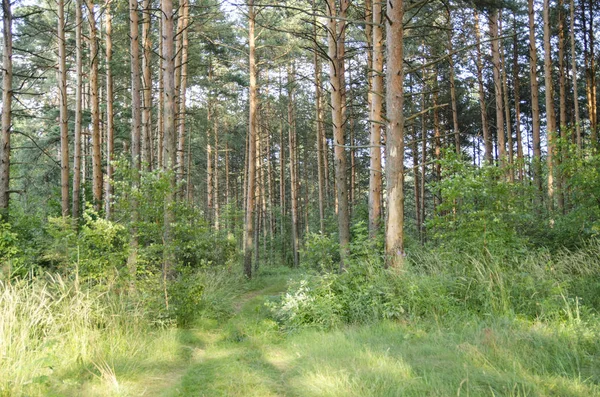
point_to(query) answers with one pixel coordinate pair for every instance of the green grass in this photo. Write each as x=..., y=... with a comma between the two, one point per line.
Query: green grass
x=248, y=355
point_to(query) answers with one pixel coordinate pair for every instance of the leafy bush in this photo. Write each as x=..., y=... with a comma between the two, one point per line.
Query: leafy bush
x=437, y=284
x=206, y=293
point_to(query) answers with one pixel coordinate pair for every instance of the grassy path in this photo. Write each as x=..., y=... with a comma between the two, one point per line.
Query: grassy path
x=249, y=356
x=238, y=357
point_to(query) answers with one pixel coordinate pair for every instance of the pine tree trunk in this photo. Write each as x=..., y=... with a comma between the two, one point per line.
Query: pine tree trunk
x=336, y=49
x=78, y=111
x=453, y=89
x=562, y=102
x=376, y=121
x=95, y=110
x=517, y=87
x=319, y=140
x=63, y=112
x=509, y=136
x=7, y=94
x=216, y=173
x=136, y=121
x=535, y=102
x=487, y=139
x=550, y=115
x=110, y=140
x=252, y=130
x=147, y=151
x=394, y=236
x=209, y=164
x=170, y=144
x=574, y=76
x=184, y=18
x=160, y=132
x=494, y=31
x=293, y=165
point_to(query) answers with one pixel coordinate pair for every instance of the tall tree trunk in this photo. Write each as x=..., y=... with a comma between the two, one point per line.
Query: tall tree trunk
x=562, y=102
x=170, y=144
x=282, y=187
x=550, y=115
x=487, y=139
x=590, y=70
x=63, y=112
x=494, y=21
x=376, y=121
x=453, y=88
x=136, y=121
x=188, y=183
x=147, y=86
x=95, y=109
x=184, y=18
x=7, y=94
x=535, y=102
x=437, y=141
x=509, y=136
x=319, y=140
x=423, y=166
x=293, y=165
x=160, y=132
x=336, y=48
x=252, y=131
x=574, y=74
x=209, y=164
x=394, y=236
x=216, y=159
x=78, y=111
x=110, y=139
x=517, y=87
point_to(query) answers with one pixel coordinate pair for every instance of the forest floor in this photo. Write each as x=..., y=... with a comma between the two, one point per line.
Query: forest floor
x=248, y=355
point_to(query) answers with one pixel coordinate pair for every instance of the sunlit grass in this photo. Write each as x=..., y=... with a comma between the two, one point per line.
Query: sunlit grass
x=57, y=341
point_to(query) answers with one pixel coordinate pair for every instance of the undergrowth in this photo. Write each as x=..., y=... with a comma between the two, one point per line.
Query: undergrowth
x=536, y=286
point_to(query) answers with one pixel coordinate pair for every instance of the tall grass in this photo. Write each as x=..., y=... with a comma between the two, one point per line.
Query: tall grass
x=534, y=285
x=49, y=328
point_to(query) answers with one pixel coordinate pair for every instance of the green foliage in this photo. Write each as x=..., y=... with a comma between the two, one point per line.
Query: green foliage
x=320, y=252
x=202, y=293
x=480, y=210
x=97, y=251
x=441, y=283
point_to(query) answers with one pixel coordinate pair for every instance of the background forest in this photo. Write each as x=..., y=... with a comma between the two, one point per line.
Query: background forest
x=324, y=197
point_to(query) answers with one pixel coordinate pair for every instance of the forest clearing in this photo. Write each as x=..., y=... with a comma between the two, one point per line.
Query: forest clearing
x=300, y=198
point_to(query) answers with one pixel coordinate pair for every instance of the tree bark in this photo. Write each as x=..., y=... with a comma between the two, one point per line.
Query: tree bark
x=453, y=88
x=182, y=88
x=7, y=94
x=494, y=21
x=550, y=115
x=78, y=111
x=63, y=112
x=535, y=102
x=252, y=130
x=95, y=110
x=336, y=49
x=394, y=236
x=147, y=85
x=487, y=139
x=136, y=121
x=574, y=76
x=216, y=173
x=293, y=165
x=376, y=121
x=319, y=140
x=170, y=144
x=517, y=87
x=110, y=140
